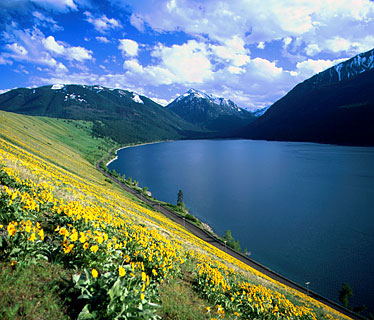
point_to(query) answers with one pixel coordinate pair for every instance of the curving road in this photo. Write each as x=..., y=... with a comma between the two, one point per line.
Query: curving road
x=204, y=235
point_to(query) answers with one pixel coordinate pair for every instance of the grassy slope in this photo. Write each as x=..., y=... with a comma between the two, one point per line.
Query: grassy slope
x=69, y=146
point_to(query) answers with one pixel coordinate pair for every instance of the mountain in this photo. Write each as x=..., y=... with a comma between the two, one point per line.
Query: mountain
x=120, y=114
x=259, y=112
x=334, y=106
x=211, y=112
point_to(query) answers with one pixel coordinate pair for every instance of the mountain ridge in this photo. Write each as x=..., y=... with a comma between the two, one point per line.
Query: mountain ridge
x=211, y=112
x=325, y=108
x=123, y=115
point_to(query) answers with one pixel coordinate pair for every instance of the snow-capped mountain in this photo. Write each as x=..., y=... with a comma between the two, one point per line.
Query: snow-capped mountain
x=334, y=106
x=345, y=70
x=210, y=111
x=196, y=94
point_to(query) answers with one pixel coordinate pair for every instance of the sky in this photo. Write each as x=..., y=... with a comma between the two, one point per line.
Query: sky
x=250, y=51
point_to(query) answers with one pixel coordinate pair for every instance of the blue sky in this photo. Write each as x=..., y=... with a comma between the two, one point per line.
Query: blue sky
x=250, y=51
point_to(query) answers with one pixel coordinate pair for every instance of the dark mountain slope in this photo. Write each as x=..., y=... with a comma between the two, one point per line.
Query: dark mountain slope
x=324, y=109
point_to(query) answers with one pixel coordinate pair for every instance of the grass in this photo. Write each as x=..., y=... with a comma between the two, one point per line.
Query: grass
x=55, y=139
x=180, y=302
x=30, y=291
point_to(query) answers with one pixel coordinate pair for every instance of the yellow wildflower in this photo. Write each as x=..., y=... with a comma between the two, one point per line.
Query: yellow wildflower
x=94, y=273
x=68, y=248
x=32, y=237
x=74, y=237
x=11, y=229
x=121, y=271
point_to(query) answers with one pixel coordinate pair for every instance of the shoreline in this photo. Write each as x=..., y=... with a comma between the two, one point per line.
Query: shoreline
x=206, y=225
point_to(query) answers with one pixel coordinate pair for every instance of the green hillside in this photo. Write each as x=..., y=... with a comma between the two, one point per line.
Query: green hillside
x=119, y=114
x=75, y=246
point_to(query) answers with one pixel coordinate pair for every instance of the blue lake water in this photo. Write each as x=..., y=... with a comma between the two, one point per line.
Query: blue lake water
x=304, y=210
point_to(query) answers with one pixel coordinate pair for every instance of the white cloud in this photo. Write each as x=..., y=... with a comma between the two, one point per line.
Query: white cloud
x=338, y=44
x=133, y=65
x=232, y=51
x=187, y=62
x=310, y=67
x=259, y=21
x=264, y=68
x=261, y=45
x=70, y=53
x=235, y=70
x=58, y=4
x=78, y=54
x=34, y=48
x=128, y=47
x=17, y=49
x=42, y=20
x=137, y=22
x=312, y=49
x=286, y=42
x=51, y=45
x=102, y=24
x=102, y=39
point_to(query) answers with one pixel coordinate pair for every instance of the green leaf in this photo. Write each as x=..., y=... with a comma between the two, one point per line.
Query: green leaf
x=85, y=314
x=115, y=290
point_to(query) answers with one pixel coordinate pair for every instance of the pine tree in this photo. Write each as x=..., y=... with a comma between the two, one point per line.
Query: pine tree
x=180, y=198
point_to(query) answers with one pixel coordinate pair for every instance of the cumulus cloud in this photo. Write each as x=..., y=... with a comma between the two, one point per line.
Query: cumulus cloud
x=102, y=39
x=340, y=45
x=310, y=67
x=103, y=23
x=51, y=45
x=128, y=47
x=31, y=46
x=260, y=21
x=17, y=49
x=186, y=63
x=232, y=51
x=70, y=53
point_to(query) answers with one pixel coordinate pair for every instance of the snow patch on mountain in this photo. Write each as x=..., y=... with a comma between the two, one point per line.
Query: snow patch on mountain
x=136, y=98
x=345, y=70
x=73, y=96
x=57, y=86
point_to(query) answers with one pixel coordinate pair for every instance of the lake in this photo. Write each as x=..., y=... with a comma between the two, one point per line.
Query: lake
x=304, y=210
